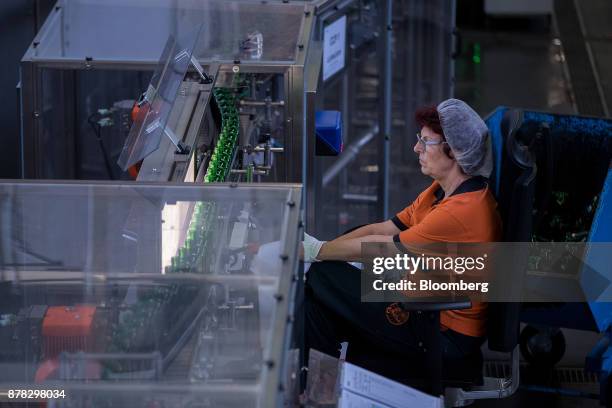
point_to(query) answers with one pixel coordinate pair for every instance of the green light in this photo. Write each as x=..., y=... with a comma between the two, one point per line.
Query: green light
x=476, y=53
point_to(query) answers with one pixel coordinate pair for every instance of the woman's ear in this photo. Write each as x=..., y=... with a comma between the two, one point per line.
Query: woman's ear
x=449, y=152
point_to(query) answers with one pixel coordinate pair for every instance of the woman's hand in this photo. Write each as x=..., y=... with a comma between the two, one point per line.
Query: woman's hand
x=310, y=248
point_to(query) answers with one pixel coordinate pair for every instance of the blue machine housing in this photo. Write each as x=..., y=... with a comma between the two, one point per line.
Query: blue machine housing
x=328, y=129
x=577, y=131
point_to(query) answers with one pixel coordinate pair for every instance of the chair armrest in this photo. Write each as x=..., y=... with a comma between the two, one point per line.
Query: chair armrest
x=443, y=304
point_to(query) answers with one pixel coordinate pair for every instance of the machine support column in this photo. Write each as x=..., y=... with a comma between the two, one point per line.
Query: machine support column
x=384, y=116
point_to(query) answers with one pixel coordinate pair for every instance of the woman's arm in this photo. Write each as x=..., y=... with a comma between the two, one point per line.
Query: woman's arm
x=379, y=228
x=348, y=249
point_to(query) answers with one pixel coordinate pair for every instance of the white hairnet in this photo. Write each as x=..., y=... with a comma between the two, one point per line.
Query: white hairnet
x=468, y=137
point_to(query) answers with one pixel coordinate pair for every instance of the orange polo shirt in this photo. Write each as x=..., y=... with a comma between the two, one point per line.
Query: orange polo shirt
x=469, y=214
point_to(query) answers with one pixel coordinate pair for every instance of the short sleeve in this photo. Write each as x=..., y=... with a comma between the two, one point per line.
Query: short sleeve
x=403, y=219
x=398, y=223
x=438, y=226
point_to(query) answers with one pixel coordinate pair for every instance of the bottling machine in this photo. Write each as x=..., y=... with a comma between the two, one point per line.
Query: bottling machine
x=173, y=284
x=148, y=295
x=283, y=61
x=266, y=55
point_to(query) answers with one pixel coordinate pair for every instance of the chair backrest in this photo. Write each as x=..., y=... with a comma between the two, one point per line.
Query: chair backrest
x=515, y=186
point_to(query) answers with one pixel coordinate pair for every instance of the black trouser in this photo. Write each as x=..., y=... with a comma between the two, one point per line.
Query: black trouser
x=334, y=313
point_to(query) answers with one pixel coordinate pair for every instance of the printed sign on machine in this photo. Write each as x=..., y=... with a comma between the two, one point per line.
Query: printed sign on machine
x=334, y=47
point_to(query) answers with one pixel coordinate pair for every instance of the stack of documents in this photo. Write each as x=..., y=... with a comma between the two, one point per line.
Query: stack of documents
x=360, y=388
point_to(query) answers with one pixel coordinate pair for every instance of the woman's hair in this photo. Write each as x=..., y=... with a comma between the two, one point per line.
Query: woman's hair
x=428, y=116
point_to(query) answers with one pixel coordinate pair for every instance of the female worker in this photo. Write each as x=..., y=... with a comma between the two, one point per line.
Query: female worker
x=454, y=149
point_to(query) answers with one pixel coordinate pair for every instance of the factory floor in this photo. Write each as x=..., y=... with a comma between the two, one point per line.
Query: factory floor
x=564, y=386
x=512, y=68
x=524, y=398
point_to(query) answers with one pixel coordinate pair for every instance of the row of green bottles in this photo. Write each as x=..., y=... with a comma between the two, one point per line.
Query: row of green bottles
x=198, y=233
x=222, y=155
x=124, y=334
x=196, y=240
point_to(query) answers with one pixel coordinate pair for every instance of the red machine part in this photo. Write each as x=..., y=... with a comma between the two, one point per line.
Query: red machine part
x=47, y=370
x=68, y=329
x=137, y=110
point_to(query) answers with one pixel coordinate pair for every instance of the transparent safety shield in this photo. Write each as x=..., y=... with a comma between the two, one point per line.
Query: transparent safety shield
x=157, y=102
x=124, y=294
x=134, y=31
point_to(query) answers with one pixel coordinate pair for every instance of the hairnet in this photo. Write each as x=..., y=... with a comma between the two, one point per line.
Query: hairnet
x=468, y=137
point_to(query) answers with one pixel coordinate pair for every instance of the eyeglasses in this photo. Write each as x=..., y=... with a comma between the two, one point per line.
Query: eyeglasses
x=428, y=142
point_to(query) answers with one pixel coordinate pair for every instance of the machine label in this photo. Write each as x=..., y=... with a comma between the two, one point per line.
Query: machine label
x=334, y=47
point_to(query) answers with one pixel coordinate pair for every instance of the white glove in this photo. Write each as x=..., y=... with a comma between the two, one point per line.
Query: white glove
x=267, y=261
x=312, y=246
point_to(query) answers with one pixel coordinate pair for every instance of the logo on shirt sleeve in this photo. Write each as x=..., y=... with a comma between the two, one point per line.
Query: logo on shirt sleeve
x=396, y=315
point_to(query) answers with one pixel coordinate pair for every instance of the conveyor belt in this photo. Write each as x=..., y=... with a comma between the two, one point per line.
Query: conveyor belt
x=180, y=366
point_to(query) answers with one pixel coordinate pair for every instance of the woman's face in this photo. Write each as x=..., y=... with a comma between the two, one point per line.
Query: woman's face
x=434, y=161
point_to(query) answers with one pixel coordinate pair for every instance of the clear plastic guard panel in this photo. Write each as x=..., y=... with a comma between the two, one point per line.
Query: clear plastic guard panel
x=250, y=31
x=135, y=31
x=141, y=295
x=152, y=117
x=321, y=388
